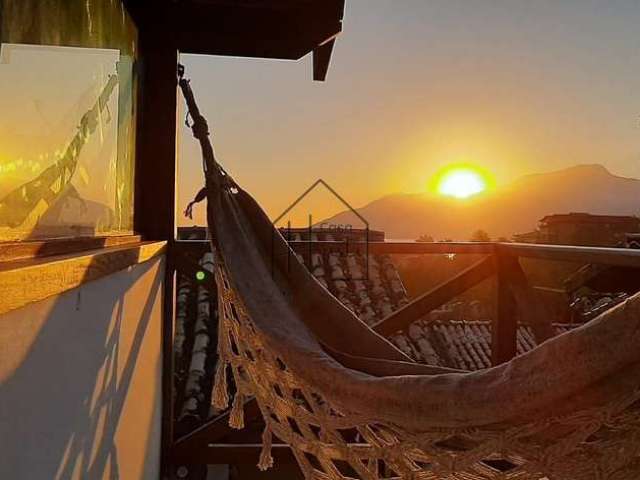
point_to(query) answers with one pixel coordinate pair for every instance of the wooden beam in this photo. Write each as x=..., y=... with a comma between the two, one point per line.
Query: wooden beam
x=625, y=257
x=504, y=326
x=168, y=391
x=265, y=30
x=288, y=33
x=12, y=251
x=321, y=60
x=154, y=213
x=231, y=453
x=402, y=318
x=400, y=248
x=155, y=179
x=213, y=431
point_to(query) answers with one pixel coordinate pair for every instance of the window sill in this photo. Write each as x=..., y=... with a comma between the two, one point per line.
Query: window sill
x=29, y=280
x=10, y=251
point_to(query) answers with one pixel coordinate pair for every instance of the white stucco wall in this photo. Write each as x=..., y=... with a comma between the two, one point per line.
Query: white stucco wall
x=80, y=390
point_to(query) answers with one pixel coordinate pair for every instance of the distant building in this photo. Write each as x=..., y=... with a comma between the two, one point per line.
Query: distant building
x=587, y=229
x=582, y=229
x=529, y=237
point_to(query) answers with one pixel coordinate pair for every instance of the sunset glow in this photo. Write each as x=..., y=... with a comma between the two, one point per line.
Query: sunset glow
x=461, y=181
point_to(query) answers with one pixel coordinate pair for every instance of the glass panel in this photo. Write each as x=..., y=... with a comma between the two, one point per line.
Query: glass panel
x=67, y=136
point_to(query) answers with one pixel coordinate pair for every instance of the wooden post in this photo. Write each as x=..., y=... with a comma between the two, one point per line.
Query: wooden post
x=310, y=232
x=505, y=323
x=155, y=175
x=154, y=214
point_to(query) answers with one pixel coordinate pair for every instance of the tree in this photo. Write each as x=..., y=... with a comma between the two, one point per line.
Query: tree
x=480, y=236
x=424, y=238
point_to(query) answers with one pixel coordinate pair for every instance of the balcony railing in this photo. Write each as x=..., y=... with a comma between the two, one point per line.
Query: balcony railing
x=516, y=300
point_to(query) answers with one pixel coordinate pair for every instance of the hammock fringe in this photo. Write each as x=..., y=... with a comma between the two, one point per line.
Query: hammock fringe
x=220, y=390
x=236, y=417
x=220, y=398
x=266, y=460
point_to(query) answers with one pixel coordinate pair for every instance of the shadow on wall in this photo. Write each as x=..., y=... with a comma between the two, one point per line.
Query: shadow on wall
x=80, y=385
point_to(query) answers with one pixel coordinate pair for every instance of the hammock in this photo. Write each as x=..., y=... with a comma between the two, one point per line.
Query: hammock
x=353, y=406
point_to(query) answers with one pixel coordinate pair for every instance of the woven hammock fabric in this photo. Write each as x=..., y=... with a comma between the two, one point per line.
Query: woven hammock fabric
x=351, y=405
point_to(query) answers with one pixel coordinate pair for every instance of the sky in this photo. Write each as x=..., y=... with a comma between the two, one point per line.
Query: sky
x=514, y=86
x=511, y=86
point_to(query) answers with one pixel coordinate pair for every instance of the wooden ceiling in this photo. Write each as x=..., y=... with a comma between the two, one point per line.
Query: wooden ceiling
x=281, y=29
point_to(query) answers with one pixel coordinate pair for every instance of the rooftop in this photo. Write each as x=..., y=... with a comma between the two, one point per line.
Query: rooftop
x=580, y=217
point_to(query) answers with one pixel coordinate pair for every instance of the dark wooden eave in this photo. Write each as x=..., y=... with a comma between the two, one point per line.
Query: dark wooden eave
x=278, y=29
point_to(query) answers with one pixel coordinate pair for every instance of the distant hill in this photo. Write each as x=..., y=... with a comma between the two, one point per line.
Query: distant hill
x=512, y=208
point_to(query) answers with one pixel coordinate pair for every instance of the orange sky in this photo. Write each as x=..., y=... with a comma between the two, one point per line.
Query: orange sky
x=44, y=93
x=513, y=86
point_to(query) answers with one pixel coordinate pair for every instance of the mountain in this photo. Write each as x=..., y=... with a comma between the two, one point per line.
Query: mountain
x=512, y=208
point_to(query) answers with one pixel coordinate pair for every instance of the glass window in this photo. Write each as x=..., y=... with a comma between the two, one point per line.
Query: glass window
x=67, y=129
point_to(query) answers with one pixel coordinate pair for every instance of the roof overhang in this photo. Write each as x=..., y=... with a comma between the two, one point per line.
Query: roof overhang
x=279, y=29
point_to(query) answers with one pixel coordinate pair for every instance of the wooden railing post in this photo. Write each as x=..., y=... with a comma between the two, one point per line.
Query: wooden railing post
x=154, y=212
x=505, y=323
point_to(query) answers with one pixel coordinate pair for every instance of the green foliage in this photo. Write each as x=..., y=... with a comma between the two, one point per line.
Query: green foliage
x=480, y=236
x=424, y=238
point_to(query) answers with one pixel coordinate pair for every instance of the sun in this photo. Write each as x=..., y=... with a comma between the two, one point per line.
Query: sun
x=461, y=181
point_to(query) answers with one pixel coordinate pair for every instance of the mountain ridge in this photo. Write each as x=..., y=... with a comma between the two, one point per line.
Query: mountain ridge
x=515, y=207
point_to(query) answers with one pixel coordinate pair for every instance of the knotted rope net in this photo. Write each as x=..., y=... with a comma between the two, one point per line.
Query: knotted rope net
x=333, y=443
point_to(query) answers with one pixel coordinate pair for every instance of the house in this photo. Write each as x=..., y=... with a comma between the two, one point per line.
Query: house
x=586, y=229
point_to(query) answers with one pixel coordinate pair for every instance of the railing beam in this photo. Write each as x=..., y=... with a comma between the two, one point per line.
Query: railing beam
x=564, y=253
x=231, y=453
x=402, y=318
x=625, y=257
x=381, y=248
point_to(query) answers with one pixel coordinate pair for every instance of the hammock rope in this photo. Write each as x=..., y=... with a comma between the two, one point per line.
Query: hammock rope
x=352, y=406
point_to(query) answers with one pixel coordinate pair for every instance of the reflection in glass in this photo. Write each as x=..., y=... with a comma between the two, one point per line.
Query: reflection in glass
x=67, y=128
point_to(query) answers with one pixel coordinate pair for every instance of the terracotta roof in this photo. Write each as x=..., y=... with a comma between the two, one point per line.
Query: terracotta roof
x=459, y=344
x=344, y=276
x=457, y=335
x=195, y=346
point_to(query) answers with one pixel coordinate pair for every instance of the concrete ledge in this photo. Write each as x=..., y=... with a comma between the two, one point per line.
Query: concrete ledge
x=26, y=281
